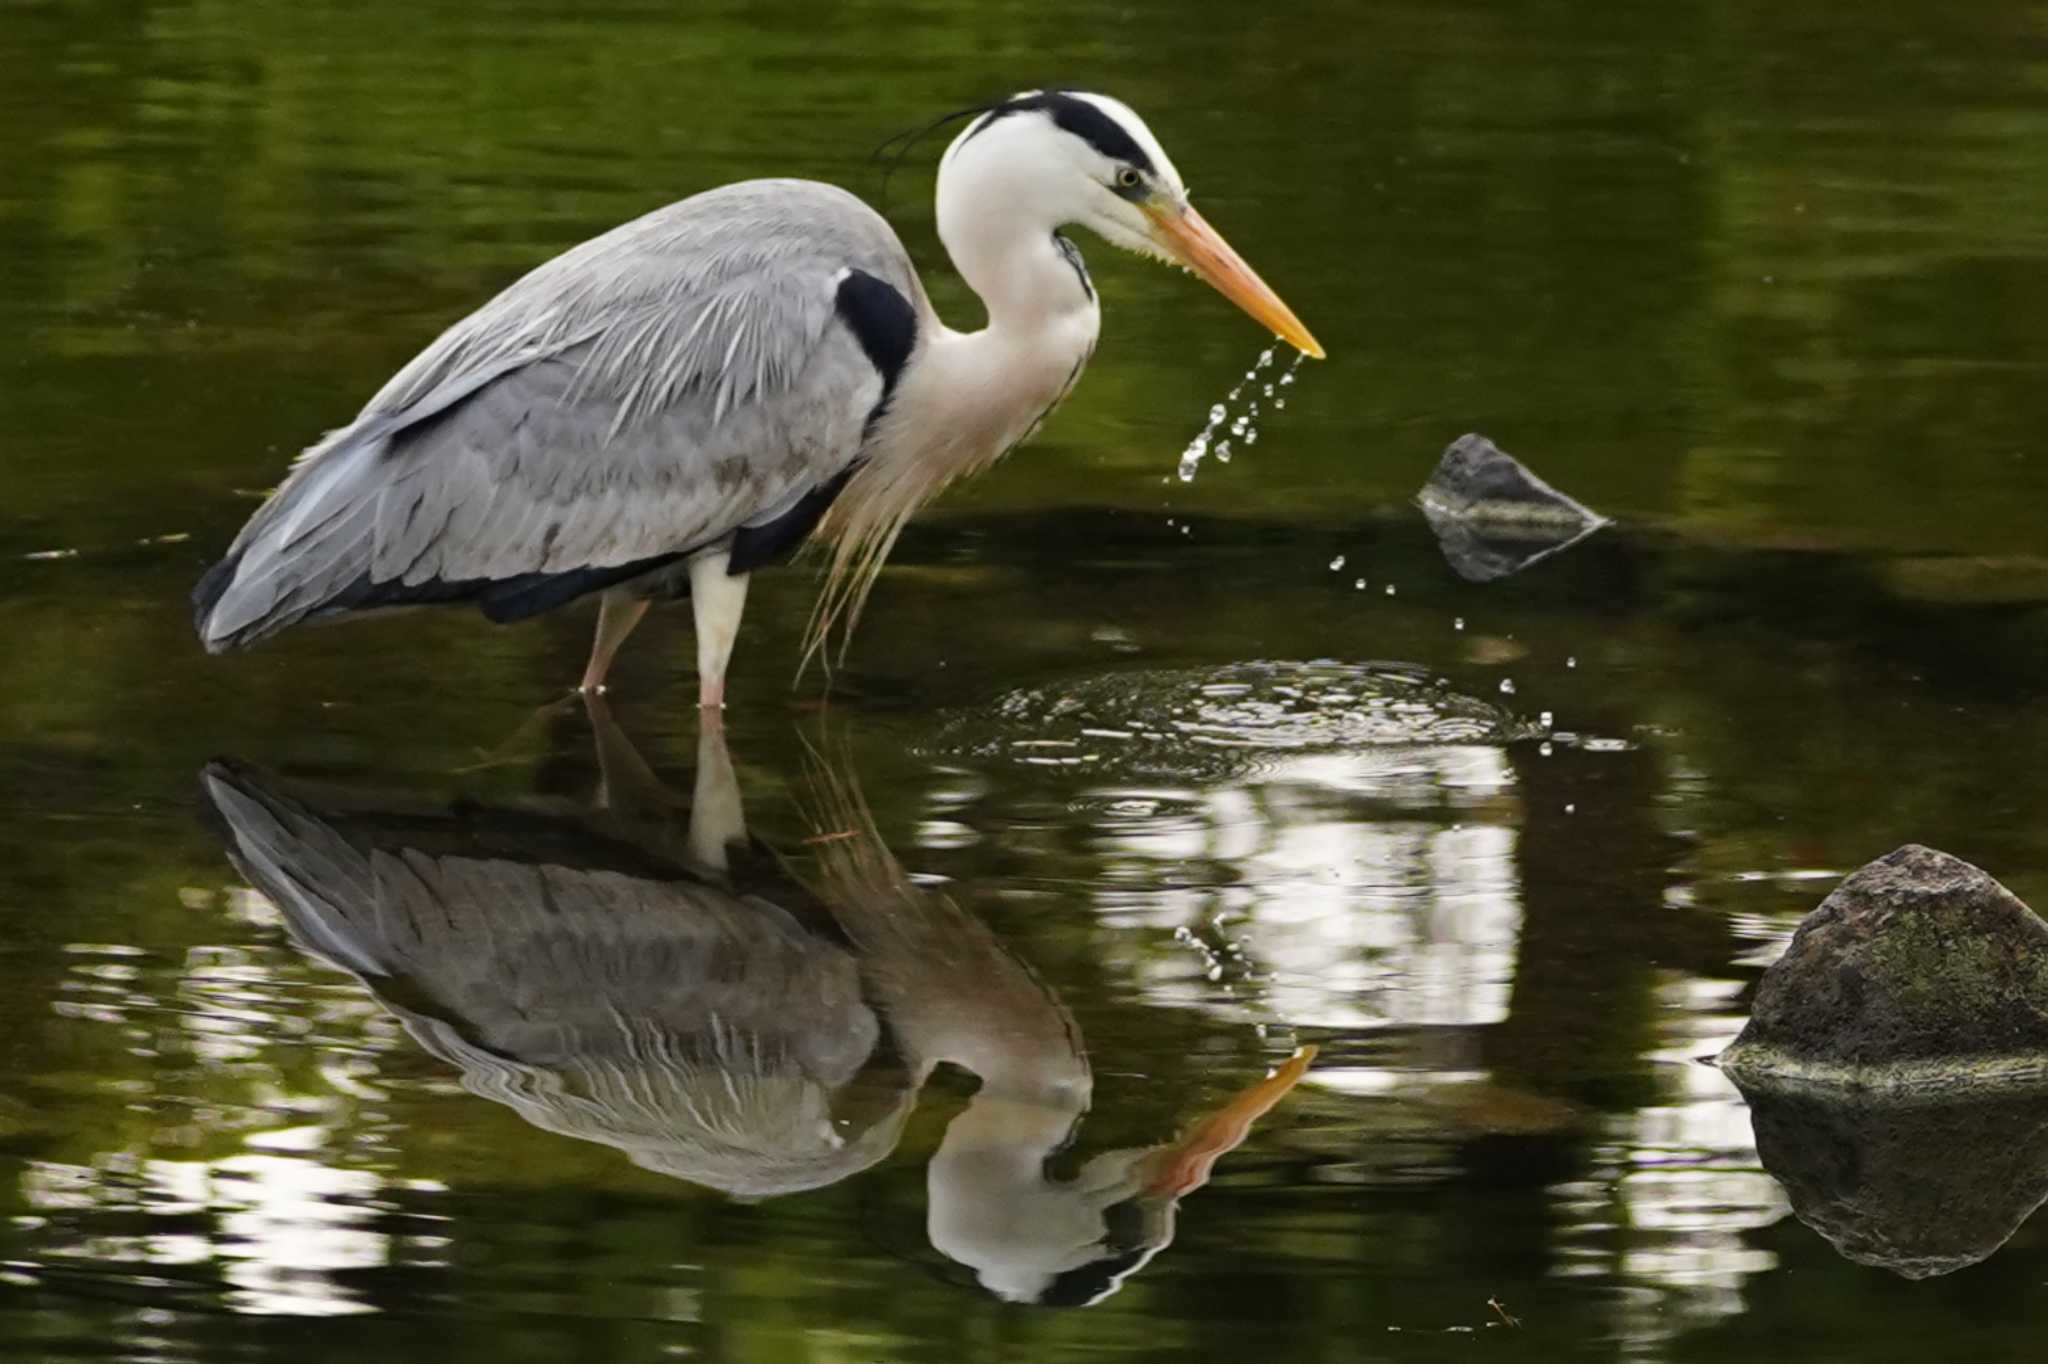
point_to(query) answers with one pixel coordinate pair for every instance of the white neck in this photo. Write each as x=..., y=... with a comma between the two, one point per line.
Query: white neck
x=1025, y=280
x=967, y=398
x=970, y=396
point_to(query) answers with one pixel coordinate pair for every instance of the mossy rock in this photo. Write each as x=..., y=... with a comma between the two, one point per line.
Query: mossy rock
x=1919, y=971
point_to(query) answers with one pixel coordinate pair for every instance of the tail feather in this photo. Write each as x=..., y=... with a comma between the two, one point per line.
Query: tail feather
x=304, y=553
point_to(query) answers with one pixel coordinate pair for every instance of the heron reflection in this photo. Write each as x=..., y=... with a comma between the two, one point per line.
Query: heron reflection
x=662, y=984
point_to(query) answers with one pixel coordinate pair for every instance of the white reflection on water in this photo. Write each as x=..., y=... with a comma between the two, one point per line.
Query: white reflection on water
x=1678, y=1186
x=1335, y=921
x=215, y=1034
x=284, y=1227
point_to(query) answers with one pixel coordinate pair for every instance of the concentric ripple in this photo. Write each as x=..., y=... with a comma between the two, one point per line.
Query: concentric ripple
x=1217, y=721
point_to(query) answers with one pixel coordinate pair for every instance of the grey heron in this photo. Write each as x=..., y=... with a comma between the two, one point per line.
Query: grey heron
x=680, y=401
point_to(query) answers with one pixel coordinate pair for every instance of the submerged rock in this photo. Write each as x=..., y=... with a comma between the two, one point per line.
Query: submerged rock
x=1493, y=517
x=1917, y=1188
x=1919, y=971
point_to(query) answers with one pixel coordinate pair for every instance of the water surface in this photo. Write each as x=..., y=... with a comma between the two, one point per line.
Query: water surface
x=1765, y=286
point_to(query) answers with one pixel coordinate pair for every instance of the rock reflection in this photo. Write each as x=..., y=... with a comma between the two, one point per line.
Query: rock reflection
x=670, y=988
x=1920, y=1189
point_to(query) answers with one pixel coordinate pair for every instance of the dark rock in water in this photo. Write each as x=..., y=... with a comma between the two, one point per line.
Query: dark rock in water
x=1493, y=517
x=1917, y=1188
x=1919, y=971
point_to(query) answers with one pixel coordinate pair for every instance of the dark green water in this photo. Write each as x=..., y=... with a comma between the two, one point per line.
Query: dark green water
x=1767, y=284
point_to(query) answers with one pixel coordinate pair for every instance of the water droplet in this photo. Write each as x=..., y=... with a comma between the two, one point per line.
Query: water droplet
x=1269, y=390
x=1265, y=357
x=1218, y=413
x=1458, y=623
x=1279, y=403
x=1390, y=589
x=1571, y=809
x=1543, y=749
x=1223, y=452
x=1359, y=585
x=1336, y=563
x=1251, y=438
x=1237, y=427
x=1507, y=686
x=1546, y=719
x=1571, y=663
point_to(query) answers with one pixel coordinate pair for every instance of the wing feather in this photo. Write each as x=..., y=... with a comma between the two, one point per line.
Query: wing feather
x=641, y=395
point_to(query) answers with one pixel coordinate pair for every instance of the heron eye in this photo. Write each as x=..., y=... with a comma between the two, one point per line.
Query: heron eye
x=1127, y=178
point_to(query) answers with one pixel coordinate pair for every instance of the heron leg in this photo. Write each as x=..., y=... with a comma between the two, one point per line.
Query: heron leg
x=617, y=614
x=717, y=819
x=717, y=599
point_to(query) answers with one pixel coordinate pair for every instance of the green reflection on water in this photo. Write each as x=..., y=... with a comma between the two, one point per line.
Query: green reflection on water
x=1764, y=284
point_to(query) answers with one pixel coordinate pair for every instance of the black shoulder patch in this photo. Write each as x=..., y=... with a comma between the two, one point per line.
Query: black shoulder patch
x=885, y=324
x=1080, y=117
x=773, y=541
x=882, y=320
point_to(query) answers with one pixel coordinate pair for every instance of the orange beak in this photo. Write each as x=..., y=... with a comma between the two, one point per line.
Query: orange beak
x=1189, y=239
x=1184, y=1165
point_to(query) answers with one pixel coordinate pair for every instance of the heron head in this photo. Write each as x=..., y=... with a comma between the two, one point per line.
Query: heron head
x=1070, y=158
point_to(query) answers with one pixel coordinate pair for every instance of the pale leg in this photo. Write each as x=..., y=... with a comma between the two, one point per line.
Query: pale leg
x=717, y=820
x=716, y=600
x=617, y=614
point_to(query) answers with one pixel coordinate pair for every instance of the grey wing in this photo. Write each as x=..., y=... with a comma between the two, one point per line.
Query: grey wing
x=641, y=396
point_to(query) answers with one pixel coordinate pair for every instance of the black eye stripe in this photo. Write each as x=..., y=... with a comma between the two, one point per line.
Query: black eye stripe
x=1077, y=116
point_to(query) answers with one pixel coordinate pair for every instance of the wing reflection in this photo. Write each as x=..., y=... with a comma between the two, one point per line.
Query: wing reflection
x=683, y=996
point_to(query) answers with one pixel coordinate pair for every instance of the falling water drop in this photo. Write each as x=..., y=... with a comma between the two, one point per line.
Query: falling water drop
x=1390, y=589
x=1546, y=719
x=1244, y=427
x=1571, y=663
x=1358, y=585
x=1507, y=686
x=1458, y=623
x=1336, y=563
